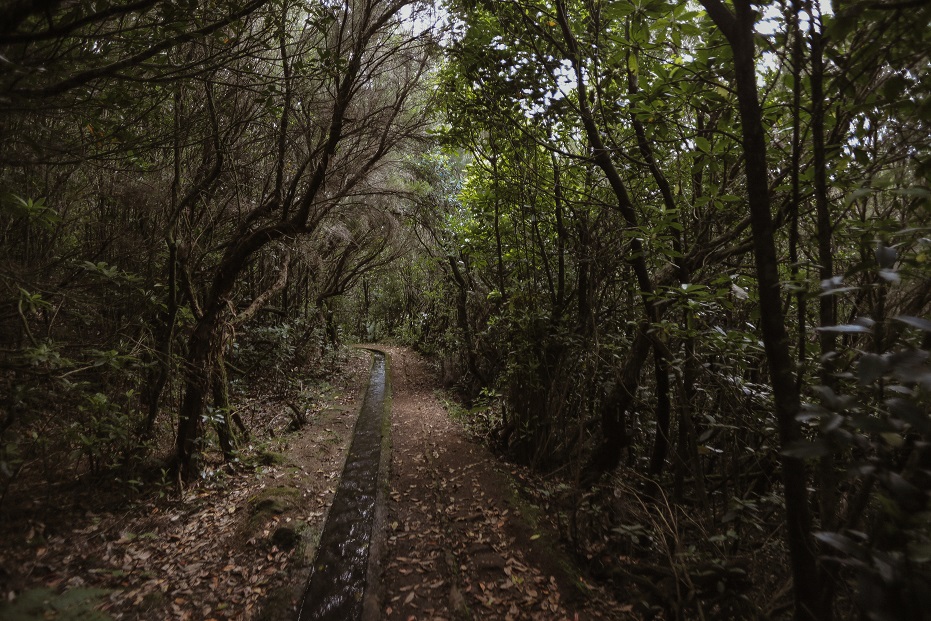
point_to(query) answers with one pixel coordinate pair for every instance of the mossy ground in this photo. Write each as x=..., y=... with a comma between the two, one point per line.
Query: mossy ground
x=77, y=604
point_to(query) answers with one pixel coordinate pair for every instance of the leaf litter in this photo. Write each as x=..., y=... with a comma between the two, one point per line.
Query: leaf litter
x=204, y=554
x=457, y=547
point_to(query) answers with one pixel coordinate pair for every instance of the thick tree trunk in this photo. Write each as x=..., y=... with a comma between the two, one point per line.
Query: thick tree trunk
x=462, y=317
x=249, y=240
x=663, y=418
x=811, y=602
x=687, y=458
x=197, y=374
x=221, y=404
x=163, y=335
x=614, y=409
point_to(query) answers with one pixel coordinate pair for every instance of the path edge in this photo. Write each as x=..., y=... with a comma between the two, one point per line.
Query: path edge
x=374, y=597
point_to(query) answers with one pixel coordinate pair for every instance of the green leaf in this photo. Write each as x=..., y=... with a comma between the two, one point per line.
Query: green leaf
x=917, y=192
x=890, y=276
x=893, y=439
x=870, y=368
x=886, y=256
x=910, y=497
x=858, y=194
x=840, y=542
x=617, y=11
x=846, y=329
x=919, y=552
x=803, y=449
x=915, y=322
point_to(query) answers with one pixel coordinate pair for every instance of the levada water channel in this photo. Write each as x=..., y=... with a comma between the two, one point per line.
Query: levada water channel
x=337, y=585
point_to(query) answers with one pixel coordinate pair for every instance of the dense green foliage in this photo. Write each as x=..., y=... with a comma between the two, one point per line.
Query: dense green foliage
x=173, y=176
x=602, y=270
x=689, y=241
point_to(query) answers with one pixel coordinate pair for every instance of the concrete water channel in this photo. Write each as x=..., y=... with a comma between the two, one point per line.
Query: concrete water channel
x=340, y=586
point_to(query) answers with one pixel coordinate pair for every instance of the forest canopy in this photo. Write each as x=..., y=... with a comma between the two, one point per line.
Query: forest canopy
x=685, y=245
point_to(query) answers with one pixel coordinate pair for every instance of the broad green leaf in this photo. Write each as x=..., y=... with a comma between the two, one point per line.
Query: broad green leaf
x=846, y=329
x=886, y=256
x=842, y=543
x=870, y=368
x=803, y=449
x=914, y=322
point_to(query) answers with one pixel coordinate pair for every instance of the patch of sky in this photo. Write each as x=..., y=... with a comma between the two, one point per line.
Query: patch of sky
x=420, y=17
x=563, y=82
x=772, y=21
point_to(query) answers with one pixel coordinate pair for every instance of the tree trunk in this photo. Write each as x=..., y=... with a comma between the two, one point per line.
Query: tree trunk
x=826, y=303
x=614, y=409
x=248, y=240
x=189, y=441
x=221, y=405
x=559, y=302
x=163, y=335
x=687, y=457
x=663, y=411
x=462, y=316
x=801, y=295
x=811, y=602
x=601, y=157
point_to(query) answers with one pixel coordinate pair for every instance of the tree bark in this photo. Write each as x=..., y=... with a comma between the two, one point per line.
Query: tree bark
x=811, y=602
x=462, y=316
x=614, y=409
x=163, y=335
x=827, y=340
x=221, y=404
x=661, y=363
x=663, y=415
x=189, y=442
x=601, y=157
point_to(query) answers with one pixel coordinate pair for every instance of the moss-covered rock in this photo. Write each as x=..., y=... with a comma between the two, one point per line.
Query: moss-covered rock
x=267, y=504
x=42, y=604
x=270, y=458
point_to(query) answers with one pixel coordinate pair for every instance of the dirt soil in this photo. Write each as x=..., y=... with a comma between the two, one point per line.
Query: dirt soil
x=461, y=542
x=237, y=545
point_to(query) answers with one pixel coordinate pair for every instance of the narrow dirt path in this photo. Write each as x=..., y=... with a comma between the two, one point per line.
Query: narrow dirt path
x=458, y=546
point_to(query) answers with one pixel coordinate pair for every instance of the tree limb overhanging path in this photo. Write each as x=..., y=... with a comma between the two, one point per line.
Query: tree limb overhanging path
x=457, y=544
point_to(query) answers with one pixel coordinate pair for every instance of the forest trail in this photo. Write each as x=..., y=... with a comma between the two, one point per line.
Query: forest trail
x=459, y=545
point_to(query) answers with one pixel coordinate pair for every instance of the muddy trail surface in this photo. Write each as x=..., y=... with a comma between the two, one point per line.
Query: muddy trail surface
x=460, y=544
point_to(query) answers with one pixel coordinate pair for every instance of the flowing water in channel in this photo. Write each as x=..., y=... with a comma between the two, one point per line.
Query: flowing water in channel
x=337, y=581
